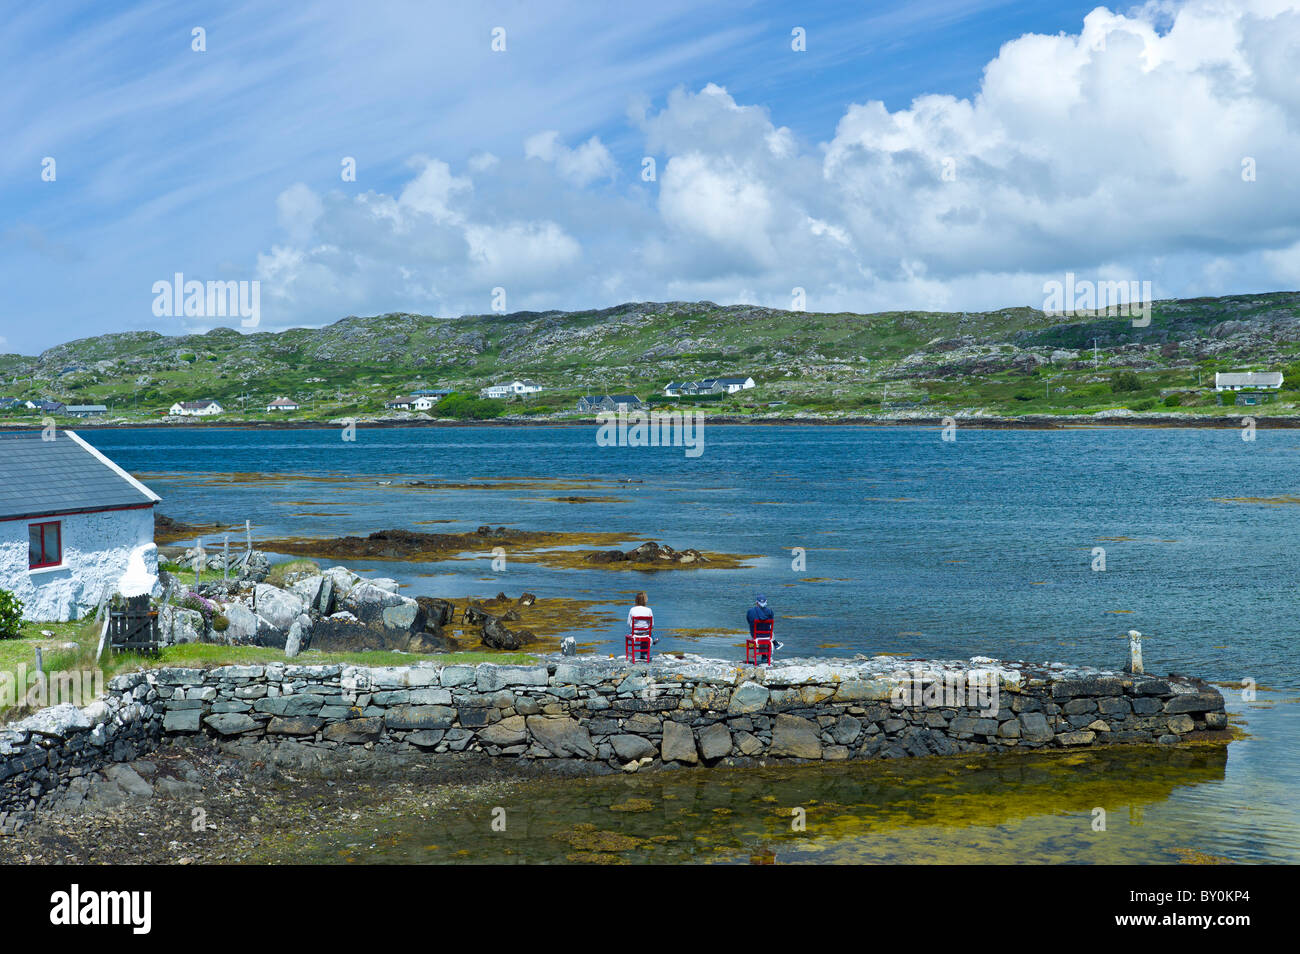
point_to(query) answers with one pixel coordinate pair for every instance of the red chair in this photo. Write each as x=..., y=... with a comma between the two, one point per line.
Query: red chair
x=758, y=648
x=638, y=641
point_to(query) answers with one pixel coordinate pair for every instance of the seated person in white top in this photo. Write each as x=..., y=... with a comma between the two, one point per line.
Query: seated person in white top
x=644, y=611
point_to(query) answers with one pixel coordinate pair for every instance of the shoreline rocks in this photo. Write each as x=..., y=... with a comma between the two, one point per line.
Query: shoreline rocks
x=334, y=610
x=648, y=553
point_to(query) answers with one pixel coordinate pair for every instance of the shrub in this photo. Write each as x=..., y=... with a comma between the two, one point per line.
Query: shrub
x=468, y=408
x=11, y=615
x=1173, y=400
x=1146, y=405
x=220, y=623
x=1122, y=381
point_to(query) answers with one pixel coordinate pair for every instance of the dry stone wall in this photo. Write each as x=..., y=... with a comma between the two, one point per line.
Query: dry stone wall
x=688, y=711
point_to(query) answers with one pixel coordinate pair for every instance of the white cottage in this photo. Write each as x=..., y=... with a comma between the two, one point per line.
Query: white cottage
x=70, y=522
x=204, y=408
x=515, y=388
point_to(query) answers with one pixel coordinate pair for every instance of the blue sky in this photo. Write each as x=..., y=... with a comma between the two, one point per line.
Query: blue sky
x=915, y=155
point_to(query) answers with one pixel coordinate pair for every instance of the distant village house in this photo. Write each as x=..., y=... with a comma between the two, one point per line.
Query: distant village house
x=71, y=522
x=708, y=386
x=621, y=403
x=205, y=408
x=85, y=410
x=282, y=404
x=412, y=402
x=516, y=388
x=1248, y=381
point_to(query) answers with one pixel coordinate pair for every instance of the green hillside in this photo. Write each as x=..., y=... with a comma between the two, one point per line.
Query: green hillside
x=1015, y=361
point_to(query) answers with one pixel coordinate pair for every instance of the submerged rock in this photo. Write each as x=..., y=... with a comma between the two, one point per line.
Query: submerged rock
x=649, y=552
x=497, y=636
x=437, y=612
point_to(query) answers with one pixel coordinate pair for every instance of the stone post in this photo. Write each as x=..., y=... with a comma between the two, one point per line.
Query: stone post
x=1135, y=651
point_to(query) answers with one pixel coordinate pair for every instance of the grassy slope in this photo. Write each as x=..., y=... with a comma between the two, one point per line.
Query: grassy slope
x=998, y=361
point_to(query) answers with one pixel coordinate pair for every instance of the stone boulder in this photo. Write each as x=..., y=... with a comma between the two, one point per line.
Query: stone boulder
x=317, y=591
x=343, y=632
x=230, y=723
x=497, y=636
x=476, y=615
x=561, y=736
x=395, y=617
x=748, y=697
x=632, y=748
x=715, y=742
x=299, y=636
x=377, y=619
x=427, y=642
x=679, y=744
x=509, y=731
x=180, y=625
x=437, y=613
x=355, y=731
x=649, y=552
x=278, y=607
x=242, y=628
x=794, y=737
x=59, y=721
x=342, y=581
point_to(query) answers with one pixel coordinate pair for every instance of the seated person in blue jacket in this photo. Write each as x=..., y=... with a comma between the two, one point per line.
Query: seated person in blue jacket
x=760, y=610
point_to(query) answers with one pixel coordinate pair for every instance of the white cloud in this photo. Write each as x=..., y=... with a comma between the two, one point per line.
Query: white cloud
x=432, y=191
x=581, y=166
x=521, y=250
x=1116, y=152
x=298, y=208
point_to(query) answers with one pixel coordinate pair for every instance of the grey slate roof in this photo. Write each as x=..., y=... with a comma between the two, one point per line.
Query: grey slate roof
x=65, y=475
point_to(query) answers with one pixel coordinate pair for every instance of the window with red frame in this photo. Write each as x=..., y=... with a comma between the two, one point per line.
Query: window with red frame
x=44, y=545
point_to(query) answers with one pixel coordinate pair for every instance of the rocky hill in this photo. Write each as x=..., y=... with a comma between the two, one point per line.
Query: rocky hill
x=1011, y=361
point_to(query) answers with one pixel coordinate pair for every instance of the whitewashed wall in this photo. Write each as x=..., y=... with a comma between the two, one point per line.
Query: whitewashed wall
x=96, y=548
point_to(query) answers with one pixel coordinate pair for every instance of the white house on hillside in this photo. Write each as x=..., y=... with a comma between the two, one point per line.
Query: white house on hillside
x=412, y=402
x=708, y=386
x=732, y=385
x=510, y=389
x=71, y=522
x=283, y=404
x=1248, y=380
x=205, y=408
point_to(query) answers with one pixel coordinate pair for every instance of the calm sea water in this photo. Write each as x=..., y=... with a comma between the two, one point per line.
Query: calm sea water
x=982, y=546
x=985, y=545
